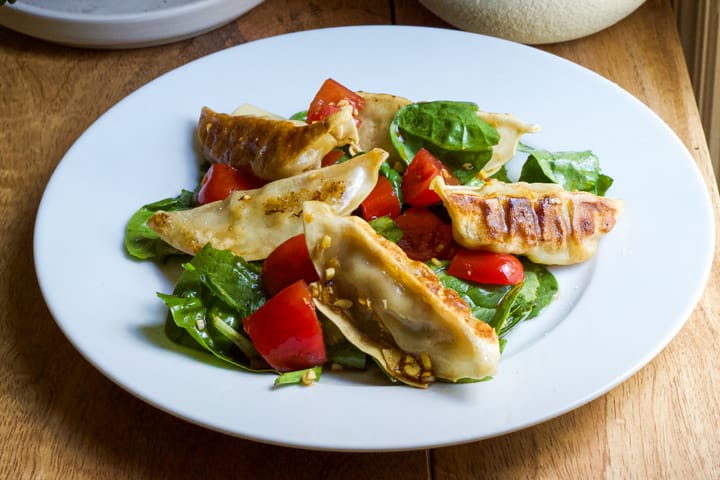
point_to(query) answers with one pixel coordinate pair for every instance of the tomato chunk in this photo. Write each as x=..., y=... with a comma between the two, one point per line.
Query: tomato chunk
x=487, y=267
x=416, y=179
x=286, y=331
x=331, y=158
x=287, y=264
x=381, y=201
x=221, y=180
x=425, y=235
x=326, y=101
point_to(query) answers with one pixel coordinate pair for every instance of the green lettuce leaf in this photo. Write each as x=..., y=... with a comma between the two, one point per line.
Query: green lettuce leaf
x=141, y=242
x=450, y=130
x=572, y=170
x=504, y=306
x=386, y=227
x=200, y=314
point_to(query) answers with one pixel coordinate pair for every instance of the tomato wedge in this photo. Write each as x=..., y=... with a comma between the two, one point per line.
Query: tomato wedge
x=287, y=264
x=487, y=267
x=286, y=331
x=425, y=235
x=416, y=179
x=326, y=101
x=221, y=180
x=331, y=158
x=381, y=201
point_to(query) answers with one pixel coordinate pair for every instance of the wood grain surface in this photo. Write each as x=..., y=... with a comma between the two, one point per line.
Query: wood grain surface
x=60, y=418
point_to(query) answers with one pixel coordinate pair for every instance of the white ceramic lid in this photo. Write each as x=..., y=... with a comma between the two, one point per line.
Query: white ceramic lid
x=113, y=24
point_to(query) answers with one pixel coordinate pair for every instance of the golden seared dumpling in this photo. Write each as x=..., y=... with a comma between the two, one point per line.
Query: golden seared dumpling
x=510, y=129
x=542, y=221
x=375, y=118
x=273, y=148
x=252, y=223
x=391, y=307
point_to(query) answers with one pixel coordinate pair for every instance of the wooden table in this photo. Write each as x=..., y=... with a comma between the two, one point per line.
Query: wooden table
x=60, y=418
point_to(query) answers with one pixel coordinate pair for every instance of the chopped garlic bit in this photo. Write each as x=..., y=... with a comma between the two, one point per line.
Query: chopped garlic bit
x=329, y=273
x=309, y=377
x=325, y=242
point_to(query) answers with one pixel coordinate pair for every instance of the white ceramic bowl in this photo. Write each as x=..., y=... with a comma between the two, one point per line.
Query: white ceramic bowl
x=533, y=21
x=119, y=24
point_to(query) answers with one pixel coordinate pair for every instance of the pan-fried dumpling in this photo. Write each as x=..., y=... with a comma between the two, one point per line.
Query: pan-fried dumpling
x=252, y=223
x=375, y=119
x=391, y=307
x=542, y=221
x=273, y=148
x=510, y=129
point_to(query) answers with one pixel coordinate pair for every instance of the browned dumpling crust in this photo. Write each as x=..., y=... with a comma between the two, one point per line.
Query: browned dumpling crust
x=391, y=307
x=542, y=221
x=273, y=148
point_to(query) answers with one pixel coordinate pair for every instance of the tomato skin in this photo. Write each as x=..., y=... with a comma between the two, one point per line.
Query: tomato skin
x=425, y=235
x=331, y=158
x=327, y=98
x=416, y=179
x=487, y=267
x=221, y=180
x=381, y=201
x=286, y=331
x=288, y=263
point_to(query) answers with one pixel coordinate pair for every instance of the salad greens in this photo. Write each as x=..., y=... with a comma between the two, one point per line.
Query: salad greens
x=504, y=306
x=217, y=289
x=141, y=242
x=572, y=170
x=450, y=130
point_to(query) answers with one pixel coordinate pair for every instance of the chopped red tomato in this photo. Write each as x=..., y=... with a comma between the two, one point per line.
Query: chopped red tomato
x=286, y=331
x=221, y=180
x=416, y=179
x=287, y=264
x=487, y=267
x=425, y=235
x=381, y=201
x=326, y=101
x=331, y=158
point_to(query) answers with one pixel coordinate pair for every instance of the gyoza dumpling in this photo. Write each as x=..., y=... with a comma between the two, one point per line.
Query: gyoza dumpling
x=391, y=307
x=510, y=129
x=252, y=223
x=375, y=119
x=543, y=221
x=273, y=148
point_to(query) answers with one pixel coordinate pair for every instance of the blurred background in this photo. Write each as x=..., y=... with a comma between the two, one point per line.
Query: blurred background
x=697, y=22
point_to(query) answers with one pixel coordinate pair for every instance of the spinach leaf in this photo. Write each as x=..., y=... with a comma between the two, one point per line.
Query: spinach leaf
x=301, y=116
x=229, y=277
x=141, y=241
x=452, y=131
x=386, y=227
x=200, y=314
x=504, y=306
x=572, y=170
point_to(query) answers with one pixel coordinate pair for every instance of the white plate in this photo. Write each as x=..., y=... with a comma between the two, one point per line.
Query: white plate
x=614, y=314
x=119, y=24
